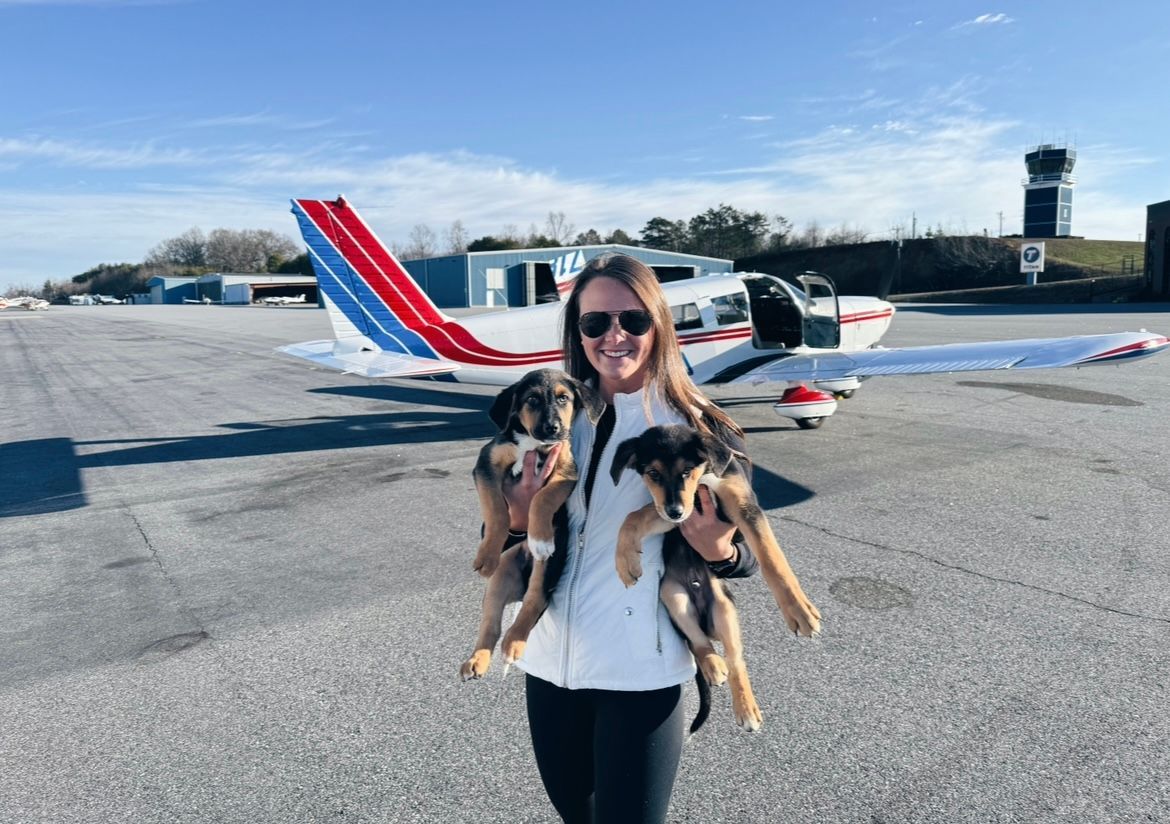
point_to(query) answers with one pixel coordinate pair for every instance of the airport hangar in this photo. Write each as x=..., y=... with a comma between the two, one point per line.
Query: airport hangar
x=523, y=277
x=231, y=288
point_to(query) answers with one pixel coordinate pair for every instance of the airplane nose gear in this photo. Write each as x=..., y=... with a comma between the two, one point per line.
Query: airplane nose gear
x=842, y=389
x=808, y=407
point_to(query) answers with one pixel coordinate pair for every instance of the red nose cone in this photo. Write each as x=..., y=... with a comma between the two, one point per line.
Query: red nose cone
x=802, y=394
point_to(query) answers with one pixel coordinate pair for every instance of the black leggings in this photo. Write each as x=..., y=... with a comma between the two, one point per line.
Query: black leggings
x=606, y=756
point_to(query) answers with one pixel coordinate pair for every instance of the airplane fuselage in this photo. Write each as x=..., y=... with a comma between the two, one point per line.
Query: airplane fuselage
x=721, y=329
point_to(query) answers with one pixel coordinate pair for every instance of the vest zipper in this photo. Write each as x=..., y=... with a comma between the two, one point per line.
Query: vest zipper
x=574, y=574
x=578, y=563
x=657, y=616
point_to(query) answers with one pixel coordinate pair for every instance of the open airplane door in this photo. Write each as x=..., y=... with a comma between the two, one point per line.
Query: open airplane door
x=822, y=313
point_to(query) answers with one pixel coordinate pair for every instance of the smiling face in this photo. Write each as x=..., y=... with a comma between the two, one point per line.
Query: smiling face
x=620, y=358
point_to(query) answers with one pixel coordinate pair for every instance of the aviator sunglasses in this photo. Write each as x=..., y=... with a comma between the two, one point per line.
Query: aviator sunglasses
x=595, y=324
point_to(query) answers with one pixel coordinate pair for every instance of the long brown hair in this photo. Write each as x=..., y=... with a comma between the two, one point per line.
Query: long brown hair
x=665, y=369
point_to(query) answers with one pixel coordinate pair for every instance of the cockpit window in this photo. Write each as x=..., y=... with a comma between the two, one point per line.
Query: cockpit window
x=686, y=317
x=730, y=308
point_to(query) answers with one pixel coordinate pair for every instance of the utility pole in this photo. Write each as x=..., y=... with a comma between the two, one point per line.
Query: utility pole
x=913, y=225
x=1000, y=223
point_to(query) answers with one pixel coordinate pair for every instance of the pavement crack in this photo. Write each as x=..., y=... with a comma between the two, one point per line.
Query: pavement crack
x=985, y=576
x=171, y=582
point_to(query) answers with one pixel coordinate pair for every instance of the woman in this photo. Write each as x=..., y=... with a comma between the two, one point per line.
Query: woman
x=605, y=666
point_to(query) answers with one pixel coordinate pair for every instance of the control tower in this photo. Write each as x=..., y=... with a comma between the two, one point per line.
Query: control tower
x=1048, y=191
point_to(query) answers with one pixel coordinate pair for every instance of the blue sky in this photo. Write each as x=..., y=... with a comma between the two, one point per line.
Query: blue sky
x=125, y=122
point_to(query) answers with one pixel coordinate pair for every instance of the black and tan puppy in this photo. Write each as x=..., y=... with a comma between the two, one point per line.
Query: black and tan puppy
x=534, y=413
x=673, y=460
x=519, y=576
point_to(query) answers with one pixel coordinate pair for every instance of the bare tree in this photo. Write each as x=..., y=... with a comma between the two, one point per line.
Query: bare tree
x=421, y=243
x=457, y=239
x=812, y=236
x=845, y=234
x=510, y=233
x=248, y=250
x=557, y=229
x=188, y=249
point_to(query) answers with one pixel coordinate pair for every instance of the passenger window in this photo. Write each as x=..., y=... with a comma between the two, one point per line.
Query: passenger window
x=686, y=317
x=730, y=309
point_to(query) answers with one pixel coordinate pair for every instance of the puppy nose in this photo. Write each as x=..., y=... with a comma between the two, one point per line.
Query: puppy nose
x=674, y=512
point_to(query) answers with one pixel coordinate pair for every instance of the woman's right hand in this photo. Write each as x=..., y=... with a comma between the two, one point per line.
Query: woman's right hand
x=520, y=494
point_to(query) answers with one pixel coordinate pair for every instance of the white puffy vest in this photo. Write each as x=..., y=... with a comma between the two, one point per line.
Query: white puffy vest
x=596, y=634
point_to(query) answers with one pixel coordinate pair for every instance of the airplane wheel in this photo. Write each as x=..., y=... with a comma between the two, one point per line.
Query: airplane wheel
x=810, y=423
x=845, y=395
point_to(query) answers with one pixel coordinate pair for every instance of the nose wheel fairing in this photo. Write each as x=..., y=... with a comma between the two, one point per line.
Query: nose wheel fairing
x=808, y=407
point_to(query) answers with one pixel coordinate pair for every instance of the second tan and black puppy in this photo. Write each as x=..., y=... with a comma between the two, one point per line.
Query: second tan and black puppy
x=535, y=413
x=673, y=460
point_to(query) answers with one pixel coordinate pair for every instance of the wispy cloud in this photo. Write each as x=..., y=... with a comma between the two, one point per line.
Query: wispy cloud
x=865, y=100
x=757, y=118
x=986, y=20
x=9, y=3
x=96, y=157
x=261, y=118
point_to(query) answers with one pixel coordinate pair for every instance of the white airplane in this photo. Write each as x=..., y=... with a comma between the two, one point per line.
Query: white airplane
x=24, y=302
x=744, y=327
x=281, y=300
x=107, y=300
x=206, y=301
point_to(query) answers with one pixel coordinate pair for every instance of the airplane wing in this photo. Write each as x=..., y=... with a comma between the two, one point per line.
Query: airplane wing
x=369, y=363
x=1039, y=353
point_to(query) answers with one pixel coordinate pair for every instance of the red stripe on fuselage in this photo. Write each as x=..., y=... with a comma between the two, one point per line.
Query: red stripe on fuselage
x=861, y=317
x=719, y=334
x=453, y=342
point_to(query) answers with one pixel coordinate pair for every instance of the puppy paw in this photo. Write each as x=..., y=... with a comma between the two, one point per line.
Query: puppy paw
x=629, y=562
x=714, y=668
x=486, y=560
x=541, y=549
x=748, y=715
x=475, y=666
x=801, y=616
x=513, y=648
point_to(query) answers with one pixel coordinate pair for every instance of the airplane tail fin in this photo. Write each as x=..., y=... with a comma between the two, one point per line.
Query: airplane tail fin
x=565, y=270
x=365, y=289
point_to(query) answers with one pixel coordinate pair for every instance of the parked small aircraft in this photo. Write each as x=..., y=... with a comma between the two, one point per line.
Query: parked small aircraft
x=24, y=302
x=107, y=300
x=282, y=300
x=733, y=327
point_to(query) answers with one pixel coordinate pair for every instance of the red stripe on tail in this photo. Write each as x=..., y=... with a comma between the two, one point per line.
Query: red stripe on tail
x=369, y=258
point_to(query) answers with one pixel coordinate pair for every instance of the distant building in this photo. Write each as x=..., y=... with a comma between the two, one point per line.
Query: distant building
x=1158, y=248
x=231, y=288
x=523, y=277
x=172, y=289
x=1048, y=191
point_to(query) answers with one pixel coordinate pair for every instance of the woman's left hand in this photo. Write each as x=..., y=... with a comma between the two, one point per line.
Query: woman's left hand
x=706, y=532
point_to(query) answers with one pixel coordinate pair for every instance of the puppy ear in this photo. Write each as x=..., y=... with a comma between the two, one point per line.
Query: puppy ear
x=719, y=455
x=623, y=459
x=588, y=399
x=502, y=407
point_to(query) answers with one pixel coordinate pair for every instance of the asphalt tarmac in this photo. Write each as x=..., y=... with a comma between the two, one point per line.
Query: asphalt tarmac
x=236, y=588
